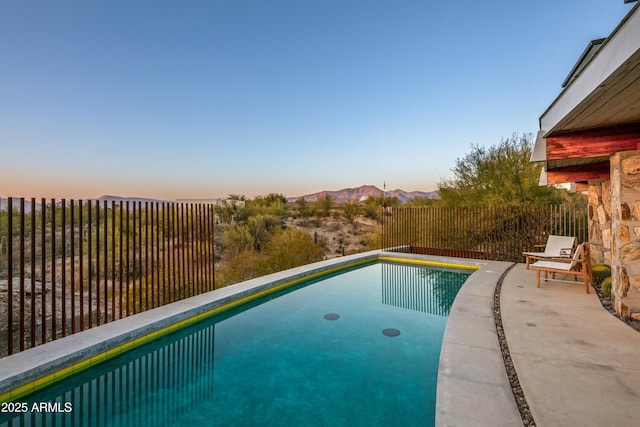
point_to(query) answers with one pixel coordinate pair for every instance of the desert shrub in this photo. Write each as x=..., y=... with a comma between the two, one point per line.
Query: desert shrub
x=244, y=265
x=334, y=226
x=606, y=287
x=236, y=239
x=290, y=248
x=372, y=240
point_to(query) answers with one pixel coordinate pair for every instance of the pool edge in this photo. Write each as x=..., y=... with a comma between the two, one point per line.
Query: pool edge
x=473, y=387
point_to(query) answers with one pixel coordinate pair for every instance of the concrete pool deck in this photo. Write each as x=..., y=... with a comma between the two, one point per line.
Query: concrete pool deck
x=576, y=363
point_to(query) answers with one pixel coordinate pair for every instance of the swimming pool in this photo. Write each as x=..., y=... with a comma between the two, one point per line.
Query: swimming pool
x=357, y=348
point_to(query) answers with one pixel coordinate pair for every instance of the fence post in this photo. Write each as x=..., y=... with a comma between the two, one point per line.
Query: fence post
x=10, y=275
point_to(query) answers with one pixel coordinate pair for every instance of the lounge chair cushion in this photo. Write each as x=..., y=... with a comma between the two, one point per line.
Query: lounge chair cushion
x=552, y=265
x=556, y=247
x=579, y=266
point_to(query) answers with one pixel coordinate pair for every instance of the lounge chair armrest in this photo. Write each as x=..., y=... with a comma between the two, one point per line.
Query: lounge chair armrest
x=566, y=252
x=562, y=259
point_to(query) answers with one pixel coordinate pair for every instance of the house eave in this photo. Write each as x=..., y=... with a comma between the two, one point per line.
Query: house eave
x=597, y=113
x=614, y=54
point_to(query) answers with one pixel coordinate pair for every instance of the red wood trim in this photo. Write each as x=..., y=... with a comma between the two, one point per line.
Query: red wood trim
x=581, y=187
x=598, y=142
x=580, y=173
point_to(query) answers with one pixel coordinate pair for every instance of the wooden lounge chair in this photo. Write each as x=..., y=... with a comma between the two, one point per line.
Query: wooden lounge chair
x=579, y=266
x=557, y=247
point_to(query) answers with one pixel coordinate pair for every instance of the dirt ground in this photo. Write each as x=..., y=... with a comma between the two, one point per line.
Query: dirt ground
x=337, y=235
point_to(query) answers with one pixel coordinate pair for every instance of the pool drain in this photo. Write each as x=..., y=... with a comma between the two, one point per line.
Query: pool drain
x=391, y=332
x=331, y=316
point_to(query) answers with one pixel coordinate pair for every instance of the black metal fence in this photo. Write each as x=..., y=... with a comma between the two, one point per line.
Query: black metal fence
x=493, y=233
x=70, y=265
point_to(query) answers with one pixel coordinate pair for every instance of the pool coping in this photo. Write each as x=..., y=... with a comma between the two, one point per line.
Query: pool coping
x=473, y=387
x=34, y=368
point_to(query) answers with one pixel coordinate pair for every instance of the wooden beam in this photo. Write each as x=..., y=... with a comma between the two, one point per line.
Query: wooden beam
x=581, y=173
x=581, y=186
x=595, y=142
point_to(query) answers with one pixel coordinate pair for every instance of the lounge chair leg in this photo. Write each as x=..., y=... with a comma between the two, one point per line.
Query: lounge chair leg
x=537, y=278
x=586, y=281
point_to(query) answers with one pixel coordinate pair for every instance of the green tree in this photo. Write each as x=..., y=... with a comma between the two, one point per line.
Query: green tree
x=373, y=206
x=350, y=210
x=233, y=210
x=419, y=202
x=262, y=228
x=499, y=175
x=302, y=208
x=324, y=205
x=391, y=202
x=272, y=204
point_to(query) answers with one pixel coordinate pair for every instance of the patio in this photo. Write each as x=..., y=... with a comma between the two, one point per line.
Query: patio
x=576, y=363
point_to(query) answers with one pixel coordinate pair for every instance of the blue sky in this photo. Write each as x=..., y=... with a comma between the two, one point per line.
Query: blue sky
x=200, y=99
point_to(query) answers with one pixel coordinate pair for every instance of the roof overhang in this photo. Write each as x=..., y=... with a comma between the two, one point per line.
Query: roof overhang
x=598, y=112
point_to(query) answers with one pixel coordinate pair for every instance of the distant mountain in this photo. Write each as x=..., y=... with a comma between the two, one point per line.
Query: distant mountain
x=27, y=202
x=364, y=192
x=15, y=204
x=118, y=199
x=405, y=196
x=4, y=203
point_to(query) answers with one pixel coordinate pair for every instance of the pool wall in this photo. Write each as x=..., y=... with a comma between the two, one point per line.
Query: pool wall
x=34, y=368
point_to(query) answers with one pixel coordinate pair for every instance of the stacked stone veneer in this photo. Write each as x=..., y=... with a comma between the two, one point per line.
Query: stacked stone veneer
x=614, y=229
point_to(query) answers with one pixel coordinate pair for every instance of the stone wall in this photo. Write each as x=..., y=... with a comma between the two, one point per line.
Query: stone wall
x=623, y=237
x=600, y=221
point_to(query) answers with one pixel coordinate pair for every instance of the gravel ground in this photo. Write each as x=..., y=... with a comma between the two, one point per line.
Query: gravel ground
x=608, y=305
x=518, y=394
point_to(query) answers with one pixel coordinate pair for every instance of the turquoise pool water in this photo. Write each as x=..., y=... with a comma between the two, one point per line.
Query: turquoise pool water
x=359, y=348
